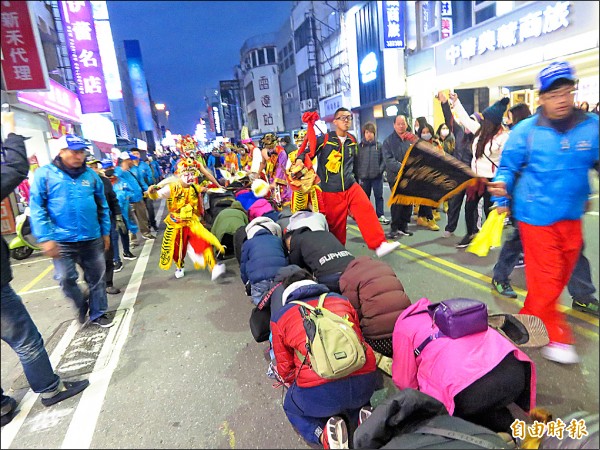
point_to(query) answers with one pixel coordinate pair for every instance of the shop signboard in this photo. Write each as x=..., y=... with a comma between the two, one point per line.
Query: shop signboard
x=393, y=24
x=84, y=54
x=139, y=86
x=58, y=101
x=23, y=63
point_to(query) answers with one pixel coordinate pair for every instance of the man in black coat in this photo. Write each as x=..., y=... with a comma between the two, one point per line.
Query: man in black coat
x=18, y=329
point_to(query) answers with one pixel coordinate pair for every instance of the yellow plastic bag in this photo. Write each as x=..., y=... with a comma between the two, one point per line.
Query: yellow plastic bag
x=489, y=236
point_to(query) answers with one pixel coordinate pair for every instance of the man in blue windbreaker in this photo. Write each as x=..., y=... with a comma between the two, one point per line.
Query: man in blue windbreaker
x=544, y=172
x=70, y=219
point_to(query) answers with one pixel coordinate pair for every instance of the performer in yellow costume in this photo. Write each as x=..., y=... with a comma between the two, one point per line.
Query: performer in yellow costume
x=184, y=233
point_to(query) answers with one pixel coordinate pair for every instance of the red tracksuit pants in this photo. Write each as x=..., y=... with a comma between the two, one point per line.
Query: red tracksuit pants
x=337, y=205
x=551, y=253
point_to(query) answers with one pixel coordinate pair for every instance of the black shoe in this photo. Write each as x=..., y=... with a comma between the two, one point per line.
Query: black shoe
x=118, y=267
x=520, y=263
x=83, y=312
x=393, y=235
x=103, y=321
x=113, y=290
x=129, y=255
x=465, y=241
x=405, y=232
x=8, y=411
x=71, y=388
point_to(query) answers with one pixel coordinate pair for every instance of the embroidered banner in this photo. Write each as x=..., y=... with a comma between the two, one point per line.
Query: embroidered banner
x=429, y=177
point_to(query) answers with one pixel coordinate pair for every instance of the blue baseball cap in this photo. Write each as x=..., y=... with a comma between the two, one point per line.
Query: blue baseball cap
x=132, y=156
x=554, y=72
x=72, y=142
x=106, y=163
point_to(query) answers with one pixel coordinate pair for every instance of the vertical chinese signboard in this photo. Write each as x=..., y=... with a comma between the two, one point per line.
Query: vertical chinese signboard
x=139, y=86
x=82, y=45
x=393, y=24
x=23, y=63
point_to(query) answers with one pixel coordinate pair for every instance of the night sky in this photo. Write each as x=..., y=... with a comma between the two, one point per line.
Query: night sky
x=187, y=47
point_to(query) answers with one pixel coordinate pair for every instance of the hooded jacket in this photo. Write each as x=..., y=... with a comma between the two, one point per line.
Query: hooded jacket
x=448, y=366
x=68, y=208
x=396, y=421
x=289, y=335
x=229, y=220
x=319, y=252
x=314, y=220
x=262, y=254
x=368, y=163
x=377, y=295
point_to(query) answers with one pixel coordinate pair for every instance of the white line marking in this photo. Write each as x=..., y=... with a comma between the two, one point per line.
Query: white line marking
x=46, y=289
x=31, y=262
x=592, y=213
x=85, y=418
x=9, y=432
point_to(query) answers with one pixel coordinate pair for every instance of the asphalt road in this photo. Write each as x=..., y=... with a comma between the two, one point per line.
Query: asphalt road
x=181, y=370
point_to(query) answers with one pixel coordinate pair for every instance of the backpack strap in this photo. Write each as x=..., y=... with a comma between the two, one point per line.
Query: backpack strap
x=456, y=435
x=306, y=305
x=321, y=300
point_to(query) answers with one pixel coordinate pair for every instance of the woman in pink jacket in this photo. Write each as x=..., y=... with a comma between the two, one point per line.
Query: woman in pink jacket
x=475, y=376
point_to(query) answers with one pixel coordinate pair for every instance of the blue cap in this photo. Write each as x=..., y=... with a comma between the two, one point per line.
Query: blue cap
x=106, y=163
x=132, y=156
x=72, y=142
x=554, y=72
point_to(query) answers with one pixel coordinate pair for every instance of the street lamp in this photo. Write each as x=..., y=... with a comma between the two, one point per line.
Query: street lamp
x=160, y=106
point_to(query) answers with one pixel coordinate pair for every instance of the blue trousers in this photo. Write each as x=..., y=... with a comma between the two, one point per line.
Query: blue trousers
x=21, y=334
x=90, y=256
x=309, y=409
x=580, y=285
x=375, y=184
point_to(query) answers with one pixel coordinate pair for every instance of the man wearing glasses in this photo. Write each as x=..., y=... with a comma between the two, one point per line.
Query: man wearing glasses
x=341, y=193
x=544, y=173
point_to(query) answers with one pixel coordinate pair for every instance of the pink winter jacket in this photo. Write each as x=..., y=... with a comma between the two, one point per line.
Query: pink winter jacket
x=447, y=366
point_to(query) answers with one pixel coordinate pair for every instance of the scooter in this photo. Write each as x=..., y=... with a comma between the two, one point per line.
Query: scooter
x=23, y=245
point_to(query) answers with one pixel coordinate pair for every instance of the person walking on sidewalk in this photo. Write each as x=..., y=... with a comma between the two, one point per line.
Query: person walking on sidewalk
x=143, y=173
x=335, y=153
x=369, y=167
x=394, y=150
x=71, y=221
x=547, y=159
x=18, y=329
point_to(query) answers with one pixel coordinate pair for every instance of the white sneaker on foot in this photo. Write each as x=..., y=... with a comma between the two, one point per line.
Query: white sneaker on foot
x=447, y=234
x=385, y=248
x=218, y=271
x=560, y=353
x=179, y=273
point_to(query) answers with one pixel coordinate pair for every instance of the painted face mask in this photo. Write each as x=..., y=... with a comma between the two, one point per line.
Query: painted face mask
x=188, y=177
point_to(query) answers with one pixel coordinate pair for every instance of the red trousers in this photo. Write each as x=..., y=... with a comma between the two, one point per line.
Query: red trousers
x=551, y=253
x=337, y=205
x=198, y=245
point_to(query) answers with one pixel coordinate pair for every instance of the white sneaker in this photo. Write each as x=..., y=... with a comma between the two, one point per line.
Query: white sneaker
x=217, y=271
x=385, y=248
x=179, y=273
x=447, y=234
x=560, y=353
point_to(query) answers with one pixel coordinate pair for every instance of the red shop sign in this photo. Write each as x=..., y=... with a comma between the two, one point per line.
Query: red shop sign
x=23, y=63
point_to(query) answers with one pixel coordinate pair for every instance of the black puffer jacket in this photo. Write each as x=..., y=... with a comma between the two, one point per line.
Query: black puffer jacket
x=368, y=162
x=394, y=149
x=319, y=252
x=14, y=170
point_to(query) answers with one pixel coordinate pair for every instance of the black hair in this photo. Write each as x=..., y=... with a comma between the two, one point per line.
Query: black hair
x=519, y=112
x=558, y=84
x=422, y=121
x=339, y=110
x=425, y=126
x=298, y=276
x=286, y=139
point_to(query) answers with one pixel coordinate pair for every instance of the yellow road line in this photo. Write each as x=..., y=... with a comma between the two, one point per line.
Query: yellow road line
x=36, y=280
x=579, y=329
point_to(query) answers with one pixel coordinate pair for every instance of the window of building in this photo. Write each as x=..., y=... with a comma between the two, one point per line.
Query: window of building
x=303, y=33
x=252, y=120
x=261, y=57
x=291, y=59
x=249, y=92
x=307, y=85
x=483, y=10
x=290, y=47
x=271, y=55
x=254, y=59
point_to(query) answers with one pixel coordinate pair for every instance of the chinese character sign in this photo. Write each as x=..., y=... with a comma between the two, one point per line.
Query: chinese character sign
x=84, y=54
x=139, y=87
x=393, y=24
x=23, y=63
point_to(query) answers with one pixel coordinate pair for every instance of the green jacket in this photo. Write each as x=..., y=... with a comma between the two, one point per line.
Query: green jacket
x=229, y=220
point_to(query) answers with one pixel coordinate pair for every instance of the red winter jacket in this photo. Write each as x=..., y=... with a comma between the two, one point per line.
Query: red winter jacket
x=289, y=335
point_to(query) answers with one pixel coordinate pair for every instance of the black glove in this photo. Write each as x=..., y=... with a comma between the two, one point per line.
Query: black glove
x=120, y=224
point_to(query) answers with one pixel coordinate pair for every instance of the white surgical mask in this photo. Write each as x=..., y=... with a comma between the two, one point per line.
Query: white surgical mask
x=444, y=133
x=426, y=136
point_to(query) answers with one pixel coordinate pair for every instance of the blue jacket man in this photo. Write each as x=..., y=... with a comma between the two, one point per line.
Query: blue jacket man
x=143, y=172
x=70, y=219
x=544, y=170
